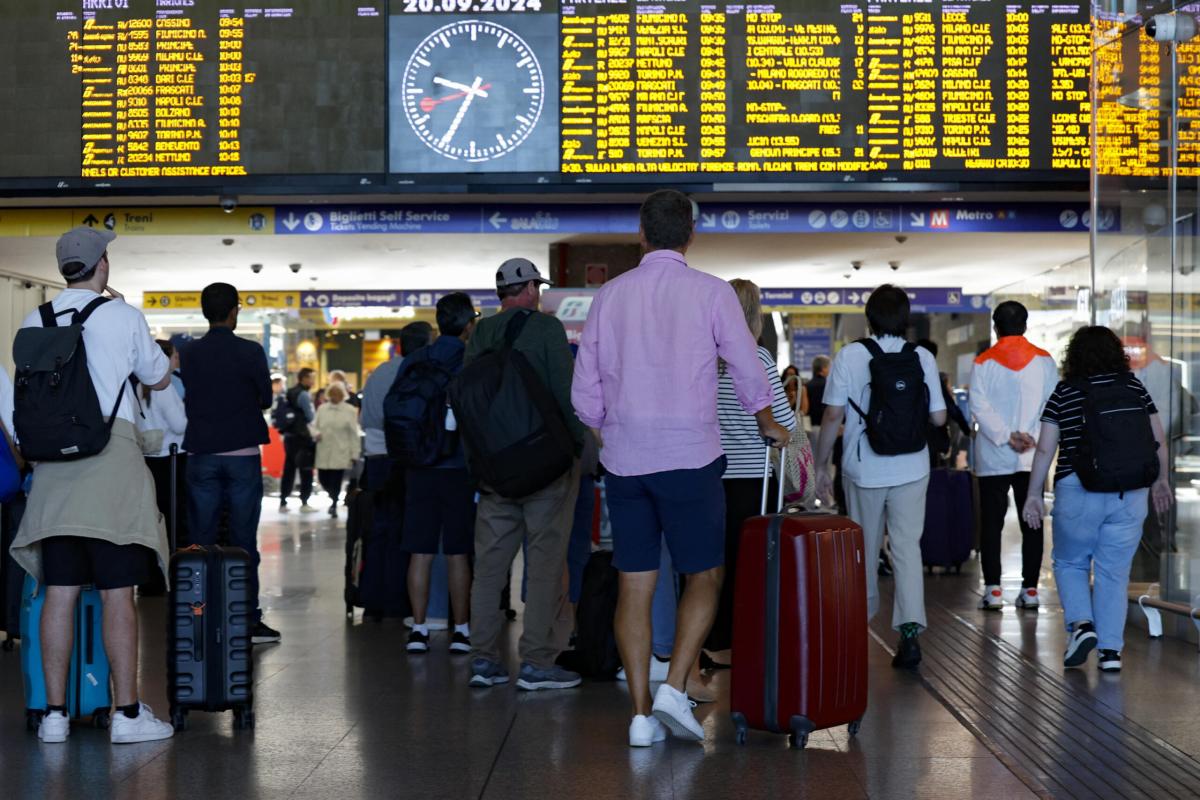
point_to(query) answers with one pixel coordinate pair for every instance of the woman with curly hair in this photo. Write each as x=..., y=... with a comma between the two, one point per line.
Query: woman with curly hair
x=1100, y=498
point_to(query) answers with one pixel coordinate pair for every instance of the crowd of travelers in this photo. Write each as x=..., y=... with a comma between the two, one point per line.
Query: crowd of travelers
x=487, y=440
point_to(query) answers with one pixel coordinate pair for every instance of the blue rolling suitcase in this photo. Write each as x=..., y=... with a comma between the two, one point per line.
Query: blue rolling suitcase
x=88, y=692
x=949, y=520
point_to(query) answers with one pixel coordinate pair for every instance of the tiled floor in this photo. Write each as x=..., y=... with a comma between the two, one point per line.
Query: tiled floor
x=344, y=713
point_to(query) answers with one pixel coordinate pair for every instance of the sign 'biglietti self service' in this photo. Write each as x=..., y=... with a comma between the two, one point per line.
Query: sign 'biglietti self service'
x=413, y=94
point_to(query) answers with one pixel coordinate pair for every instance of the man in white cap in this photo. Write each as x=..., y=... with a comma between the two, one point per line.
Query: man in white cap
x=543, y=520
x=94, y=521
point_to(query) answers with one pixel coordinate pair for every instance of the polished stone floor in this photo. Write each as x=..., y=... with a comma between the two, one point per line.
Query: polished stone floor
x=343, y=712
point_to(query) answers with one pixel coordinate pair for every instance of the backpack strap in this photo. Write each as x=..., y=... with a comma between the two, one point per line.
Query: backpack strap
x=46, y=310
x=872, y=347
x=515, y=325
x=81, y=316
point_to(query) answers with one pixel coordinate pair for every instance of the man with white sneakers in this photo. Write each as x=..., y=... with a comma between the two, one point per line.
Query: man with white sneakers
x=1010, y=385
x=646, y=383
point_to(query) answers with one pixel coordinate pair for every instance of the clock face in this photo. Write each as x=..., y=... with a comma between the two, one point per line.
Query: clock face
x=473, y=91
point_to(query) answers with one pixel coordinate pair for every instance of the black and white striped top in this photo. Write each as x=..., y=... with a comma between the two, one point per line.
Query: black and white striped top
x=1065, y=409
x=744, y=447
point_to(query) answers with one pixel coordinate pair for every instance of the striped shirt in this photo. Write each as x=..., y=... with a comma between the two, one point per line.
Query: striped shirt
x=1065, y=410
x=743, y=445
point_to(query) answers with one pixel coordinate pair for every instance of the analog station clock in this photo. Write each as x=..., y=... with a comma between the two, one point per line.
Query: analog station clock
x=473, y=91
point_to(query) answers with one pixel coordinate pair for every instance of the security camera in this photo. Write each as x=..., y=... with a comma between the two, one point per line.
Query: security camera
x=227, y=242
x=1178, y=27
x=256, y=268
x=901, y=239
x=294, y=267
x=228, y=204
x=857, y=265
x=895, y=265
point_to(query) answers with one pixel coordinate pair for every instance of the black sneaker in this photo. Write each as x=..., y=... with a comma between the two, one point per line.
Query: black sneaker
x=1081, y=642
x=418, y=642
x=908, y=653
x=459, y=643
x=1110, y=661
x=264, y=634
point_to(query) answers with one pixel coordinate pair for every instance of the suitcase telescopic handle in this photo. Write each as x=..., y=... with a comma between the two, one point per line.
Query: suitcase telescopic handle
x=767, y=478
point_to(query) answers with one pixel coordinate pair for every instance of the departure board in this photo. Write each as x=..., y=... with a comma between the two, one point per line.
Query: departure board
x=171, y=91
x=1135, y=100
x=400, y=95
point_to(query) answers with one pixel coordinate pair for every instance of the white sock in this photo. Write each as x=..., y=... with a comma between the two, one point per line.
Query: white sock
x=422, y=629
x=464, y=629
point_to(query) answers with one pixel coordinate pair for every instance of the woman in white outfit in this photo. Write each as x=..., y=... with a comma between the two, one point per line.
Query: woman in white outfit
x=338, y=443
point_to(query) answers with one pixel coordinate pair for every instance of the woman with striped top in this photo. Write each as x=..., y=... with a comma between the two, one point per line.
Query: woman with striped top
x=1093, y=531
x=744, y=450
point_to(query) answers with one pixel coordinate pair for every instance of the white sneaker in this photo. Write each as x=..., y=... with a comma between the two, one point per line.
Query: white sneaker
x=658, y=671
x=673, y=709
x=142, y=728
x=56, y=727
x=993, y=599
x=1028, y=598
x=645, y=731
x=307, y=509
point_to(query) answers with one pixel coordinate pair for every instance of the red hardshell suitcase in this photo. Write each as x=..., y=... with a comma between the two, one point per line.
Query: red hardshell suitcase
x=800, y=626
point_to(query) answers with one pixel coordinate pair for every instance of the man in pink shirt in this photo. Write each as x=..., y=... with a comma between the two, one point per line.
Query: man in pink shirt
x=646, y=382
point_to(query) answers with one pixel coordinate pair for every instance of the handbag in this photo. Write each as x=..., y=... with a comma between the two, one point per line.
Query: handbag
x=799, y=474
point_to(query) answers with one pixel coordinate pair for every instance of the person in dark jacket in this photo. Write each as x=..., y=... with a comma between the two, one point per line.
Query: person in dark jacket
x=228, y=387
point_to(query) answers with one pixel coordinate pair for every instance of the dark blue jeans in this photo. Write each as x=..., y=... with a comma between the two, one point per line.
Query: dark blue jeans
x=232, y=483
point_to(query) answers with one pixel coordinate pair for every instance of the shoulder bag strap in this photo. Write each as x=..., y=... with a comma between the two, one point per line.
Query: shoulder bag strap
x=515, y=325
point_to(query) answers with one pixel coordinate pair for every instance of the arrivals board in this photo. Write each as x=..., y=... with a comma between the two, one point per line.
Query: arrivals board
x=428, y=94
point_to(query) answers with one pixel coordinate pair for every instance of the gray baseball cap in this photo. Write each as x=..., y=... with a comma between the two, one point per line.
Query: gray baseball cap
x=82, y=245
x=518, y=270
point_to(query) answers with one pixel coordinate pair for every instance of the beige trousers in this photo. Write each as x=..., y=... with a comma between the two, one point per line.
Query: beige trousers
x=543, y=521
x=901, y=510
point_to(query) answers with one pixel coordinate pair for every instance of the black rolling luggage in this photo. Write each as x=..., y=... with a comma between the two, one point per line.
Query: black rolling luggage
x=209, y=664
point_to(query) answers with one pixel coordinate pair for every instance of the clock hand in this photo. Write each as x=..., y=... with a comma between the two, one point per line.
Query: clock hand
x=462, y=111
x=460, y=86
x=430, y=103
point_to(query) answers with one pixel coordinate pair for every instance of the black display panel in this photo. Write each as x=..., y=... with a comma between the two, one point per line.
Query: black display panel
x=169, y=92
x=432, y=94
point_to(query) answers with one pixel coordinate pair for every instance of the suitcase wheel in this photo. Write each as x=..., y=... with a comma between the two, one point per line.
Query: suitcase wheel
x=958, y=568
x=349, y=610
x=741, y=727
x=8, y=644
x=32, y=720
x=179, y=719
x=243, y=718
x=101, y=719
x=510, y=614
x=855, y=727
x=798, y=741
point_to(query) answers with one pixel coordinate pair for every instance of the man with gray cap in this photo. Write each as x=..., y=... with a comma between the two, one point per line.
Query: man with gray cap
x=543, y=520
x=94, y=520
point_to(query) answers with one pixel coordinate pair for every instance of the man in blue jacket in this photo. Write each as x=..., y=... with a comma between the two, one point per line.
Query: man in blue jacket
x=228, y=388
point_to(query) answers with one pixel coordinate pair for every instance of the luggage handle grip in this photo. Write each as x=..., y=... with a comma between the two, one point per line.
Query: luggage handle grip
x=767, y=477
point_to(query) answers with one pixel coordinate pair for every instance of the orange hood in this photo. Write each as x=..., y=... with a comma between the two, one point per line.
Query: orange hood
x=1012, y=352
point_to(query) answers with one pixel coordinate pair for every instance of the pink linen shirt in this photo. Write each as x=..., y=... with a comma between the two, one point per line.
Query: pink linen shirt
x=646, y=372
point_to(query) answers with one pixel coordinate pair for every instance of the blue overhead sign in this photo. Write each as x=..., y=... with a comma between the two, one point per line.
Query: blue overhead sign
x=715, y=217
x=1001, y=218
x=924, y=301
x=391, y=298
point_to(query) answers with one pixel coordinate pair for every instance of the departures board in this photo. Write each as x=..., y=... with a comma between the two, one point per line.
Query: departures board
x=421, y=94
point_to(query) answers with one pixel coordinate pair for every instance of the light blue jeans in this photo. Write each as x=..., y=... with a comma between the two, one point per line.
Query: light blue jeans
x=1096, y=532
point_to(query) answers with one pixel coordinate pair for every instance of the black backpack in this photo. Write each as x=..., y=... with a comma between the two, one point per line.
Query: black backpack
x=287, y=416
x=1117, y=451
x=516, y=439
x=414, y=412
x=57, y=413
x=898, y=416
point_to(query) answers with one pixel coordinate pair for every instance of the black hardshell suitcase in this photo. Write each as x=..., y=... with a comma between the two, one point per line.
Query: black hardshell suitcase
x=209, y=652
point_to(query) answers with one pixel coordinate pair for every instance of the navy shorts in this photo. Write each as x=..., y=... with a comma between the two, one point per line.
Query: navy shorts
x=685, y=506
x=439, y=506
x=84, y=561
